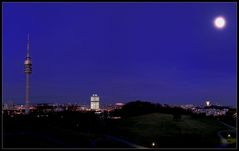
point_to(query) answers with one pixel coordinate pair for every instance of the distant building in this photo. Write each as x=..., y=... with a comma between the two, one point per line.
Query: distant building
x=44, y=107
x=5, y=106
x=188, y=106
x=119, y=105
x=95, y=102
x=208, y=103
x=211, y=111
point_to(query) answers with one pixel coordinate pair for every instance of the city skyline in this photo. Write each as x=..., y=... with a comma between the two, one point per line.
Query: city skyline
x=168, y=53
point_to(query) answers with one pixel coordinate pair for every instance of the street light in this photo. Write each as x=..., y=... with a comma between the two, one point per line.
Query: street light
x=153, y=144
x=228, y=135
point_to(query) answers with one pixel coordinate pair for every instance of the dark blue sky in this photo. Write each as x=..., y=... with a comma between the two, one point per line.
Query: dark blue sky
x=161, y=52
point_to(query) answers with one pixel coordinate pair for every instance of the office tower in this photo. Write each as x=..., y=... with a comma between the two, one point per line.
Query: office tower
x=95, y=102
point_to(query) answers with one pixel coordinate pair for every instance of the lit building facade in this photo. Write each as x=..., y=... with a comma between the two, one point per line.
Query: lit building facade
x=95, y=102
x=208, y=103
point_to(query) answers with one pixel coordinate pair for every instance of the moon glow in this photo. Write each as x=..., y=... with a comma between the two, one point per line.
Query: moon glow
x=220, y=22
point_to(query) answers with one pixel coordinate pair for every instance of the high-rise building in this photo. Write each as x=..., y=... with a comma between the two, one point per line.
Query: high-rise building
x=28, y=71
x=95, y=102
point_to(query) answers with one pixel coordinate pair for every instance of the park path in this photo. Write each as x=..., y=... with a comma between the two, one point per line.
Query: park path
x=224, y=142
x=229, y=126
x=124, y=141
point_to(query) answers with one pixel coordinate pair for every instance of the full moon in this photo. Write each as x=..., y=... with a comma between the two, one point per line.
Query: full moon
x=219, y=22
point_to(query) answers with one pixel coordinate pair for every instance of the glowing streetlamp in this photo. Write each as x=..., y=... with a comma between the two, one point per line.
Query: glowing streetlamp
x=153, y=144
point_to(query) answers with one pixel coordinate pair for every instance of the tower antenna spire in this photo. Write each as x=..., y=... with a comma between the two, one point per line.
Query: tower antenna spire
x=28, y=44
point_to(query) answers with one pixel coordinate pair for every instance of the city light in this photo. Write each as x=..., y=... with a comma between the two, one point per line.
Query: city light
x=153, y=144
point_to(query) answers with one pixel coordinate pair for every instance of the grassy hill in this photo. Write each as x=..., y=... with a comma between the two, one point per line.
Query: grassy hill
x=166, y=132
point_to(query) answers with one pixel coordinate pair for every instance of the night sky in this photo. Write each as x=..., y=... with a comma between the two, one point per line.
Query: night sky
x=160, y=52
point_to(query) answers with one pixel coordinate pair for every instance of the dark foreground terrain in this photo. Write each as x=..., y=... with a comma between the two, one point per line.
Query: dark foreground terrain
x=90, y=130
x=56, y=130
x=163, y=131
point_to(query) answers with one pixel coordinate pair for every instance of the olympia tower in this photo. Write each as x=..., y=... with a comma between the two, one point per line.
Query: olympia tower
x=28, y=71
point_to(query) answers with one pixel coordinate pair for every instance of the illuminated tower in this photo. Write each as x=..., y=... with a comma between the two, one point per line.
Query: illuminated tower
x=28, y=71
x=95, y=102
x=208, y=103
